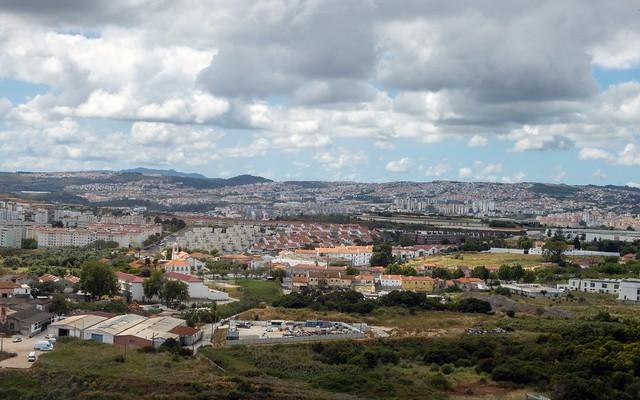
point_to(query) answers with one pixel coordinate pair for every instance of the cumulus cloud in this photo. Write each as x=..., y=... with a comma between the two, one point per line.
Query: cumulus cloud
x=465, y=173
x=399, y=166
x=436, y=170
x=477, y=141
x=305, y=76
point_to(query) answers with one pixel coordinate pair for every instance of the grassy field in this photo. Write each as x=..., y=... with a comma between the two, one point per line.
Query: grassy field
x=251, y=293
x=89, y=370
x=480, y=259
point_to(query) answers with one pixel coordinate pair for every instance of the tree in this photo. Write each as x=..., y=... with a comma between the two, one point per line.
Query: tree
x=29, y=244
x=174, y=291
x=98, y=279
x=59, y=304
x=529, y=277
x=517, y=273
x=553, y=250
x=525, y=243
x=576, y=243
x=480, y=272
x=382, y=255
x=152, y=286
x=352, y=271
x=504, y=273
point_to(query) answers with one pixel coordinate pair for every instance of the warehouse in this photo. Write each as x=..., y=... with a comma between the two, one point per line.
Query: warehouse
x=152, y=332
x=74, y=326
x=106, y=331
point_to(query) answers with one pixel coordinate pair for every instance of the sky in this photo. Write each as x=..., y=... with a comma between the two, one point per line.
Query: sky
x=371, y=90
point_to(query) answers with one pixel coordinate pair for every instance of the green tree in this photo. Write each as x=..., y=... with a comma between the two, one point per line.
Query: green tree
x=525, y=243
x=529, y=277
x=517, y=273
x=576, y=243
x=29, y=244
x=382, y=255
x=504, y=273
x=480, y=272
x=553, y=250
x=98, y=279
x=352, y=271
x=174, y=291
x=152, y=286
x=59, y=305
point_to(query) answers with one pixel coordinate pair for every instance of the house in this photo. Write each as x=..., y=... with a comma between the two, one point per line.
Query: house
x=106, y=331
x=391, y=282
x=417, y=283
x=364, y=283
x=178, y=265
x=75, y=325
x=11, y=289
x=131, y=286
x=197, y=289
x=187, y=334
x=28, y=322
x=629, y=290
x=150, y=332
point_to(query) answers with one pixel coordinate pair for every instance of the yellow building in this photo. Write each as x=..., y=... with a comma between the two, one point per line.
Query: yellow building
x=417, y=283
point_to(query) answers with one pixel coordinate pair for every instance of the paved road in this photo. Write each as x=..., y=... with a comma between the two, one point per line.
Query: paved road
x=23, y=349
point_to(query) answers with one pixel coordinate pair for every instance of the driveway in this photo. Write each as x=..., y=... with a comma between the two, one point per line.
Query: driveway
x=22, y=349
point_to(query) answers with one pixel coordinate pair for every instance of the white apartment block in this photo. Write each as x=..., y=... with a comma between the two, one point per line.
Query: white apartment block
x=358, y=255
x=629, y=290
x=234, y=238
x=609, y=286
x=124, y=235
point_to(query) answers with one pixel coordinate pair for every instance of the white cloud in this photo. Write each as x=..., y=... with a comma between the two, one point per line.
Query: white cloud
x=340, y=159
x=630, y=155
x=633, y=185
x=477, y=141
x=589, y=153
x=599, y=174
x=436, y=170
x=559, y=174
x=465, y=173
x=622, y=51
x=399, y=166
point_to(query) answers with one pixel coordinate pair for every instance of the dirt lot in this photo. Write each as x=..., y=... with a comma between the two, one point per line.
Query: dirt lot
x=23, y=349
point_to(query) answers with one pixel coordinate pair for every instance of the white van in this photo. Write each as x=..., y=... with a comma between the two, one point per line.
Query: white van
x=43, y=345
x=31, y=357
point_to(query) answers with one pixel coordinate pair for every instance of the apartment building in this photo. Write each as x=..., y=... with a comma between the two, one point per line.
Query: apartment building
x=234, y=238
x=357, y=255
x=124, y=235
x=629, y=290
x=610, y=286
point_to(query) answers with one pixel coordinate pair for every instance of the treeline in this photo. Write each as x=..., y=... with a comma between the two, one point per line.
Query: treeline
x=353, y=302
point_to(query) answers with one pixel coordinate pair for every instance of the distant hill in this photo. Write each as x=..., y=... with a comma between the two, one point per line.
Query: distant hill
x=162, y=172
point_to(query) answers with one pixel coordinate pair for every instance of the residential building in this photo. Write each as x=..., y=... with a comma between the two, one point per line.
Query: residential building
x=131, y=286
x=28, y=322
x=610, y=286
x=417, y=283
x=197, y=289
x=629, y=290
x=356, y=255
x=391, y=282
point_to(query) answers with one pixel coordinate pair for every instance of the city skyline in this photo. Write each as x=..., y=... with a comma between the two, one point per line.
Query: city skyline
x=362, y=91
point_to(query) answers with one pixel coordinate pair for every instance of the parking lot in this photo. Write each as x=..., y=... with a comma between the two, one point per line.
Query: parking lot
x=22, y=349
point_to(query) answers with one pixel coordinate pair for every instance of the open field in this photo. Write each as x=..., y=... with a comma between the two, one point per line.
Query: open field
x=472, y=259
x=252, y=293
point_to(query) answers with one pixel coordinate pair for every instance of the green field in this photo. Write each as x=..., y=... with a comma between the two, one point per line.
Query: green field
x=251, y=293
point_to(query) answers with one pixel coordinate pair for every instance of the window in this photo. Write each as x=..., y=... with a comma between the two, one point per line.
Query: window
x=604, y=285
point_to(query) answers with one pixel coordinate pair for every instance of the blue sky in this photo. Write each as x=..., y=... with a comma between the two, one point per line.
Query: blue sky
x=325, y=91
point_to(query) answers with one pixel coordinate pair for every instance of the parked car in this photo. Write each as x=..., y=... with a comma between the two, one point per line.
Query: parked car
x=50, y=338
x=43, y=345
x=31, y=357
x=16, y=339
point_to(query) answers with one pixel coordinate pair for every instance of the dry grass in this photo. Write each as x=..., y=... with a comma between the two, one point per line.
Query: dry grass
x=472, y=259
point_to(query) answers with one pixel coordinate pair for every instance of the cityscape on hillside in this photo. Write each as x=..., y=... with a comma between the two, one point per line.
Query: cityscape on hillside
x=319, y=200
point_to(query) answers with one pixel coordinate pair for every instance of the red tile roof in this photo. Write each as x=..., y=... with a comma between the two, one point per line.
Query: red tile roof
x=184, y=330
x=182, y=277
x=123, y=276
